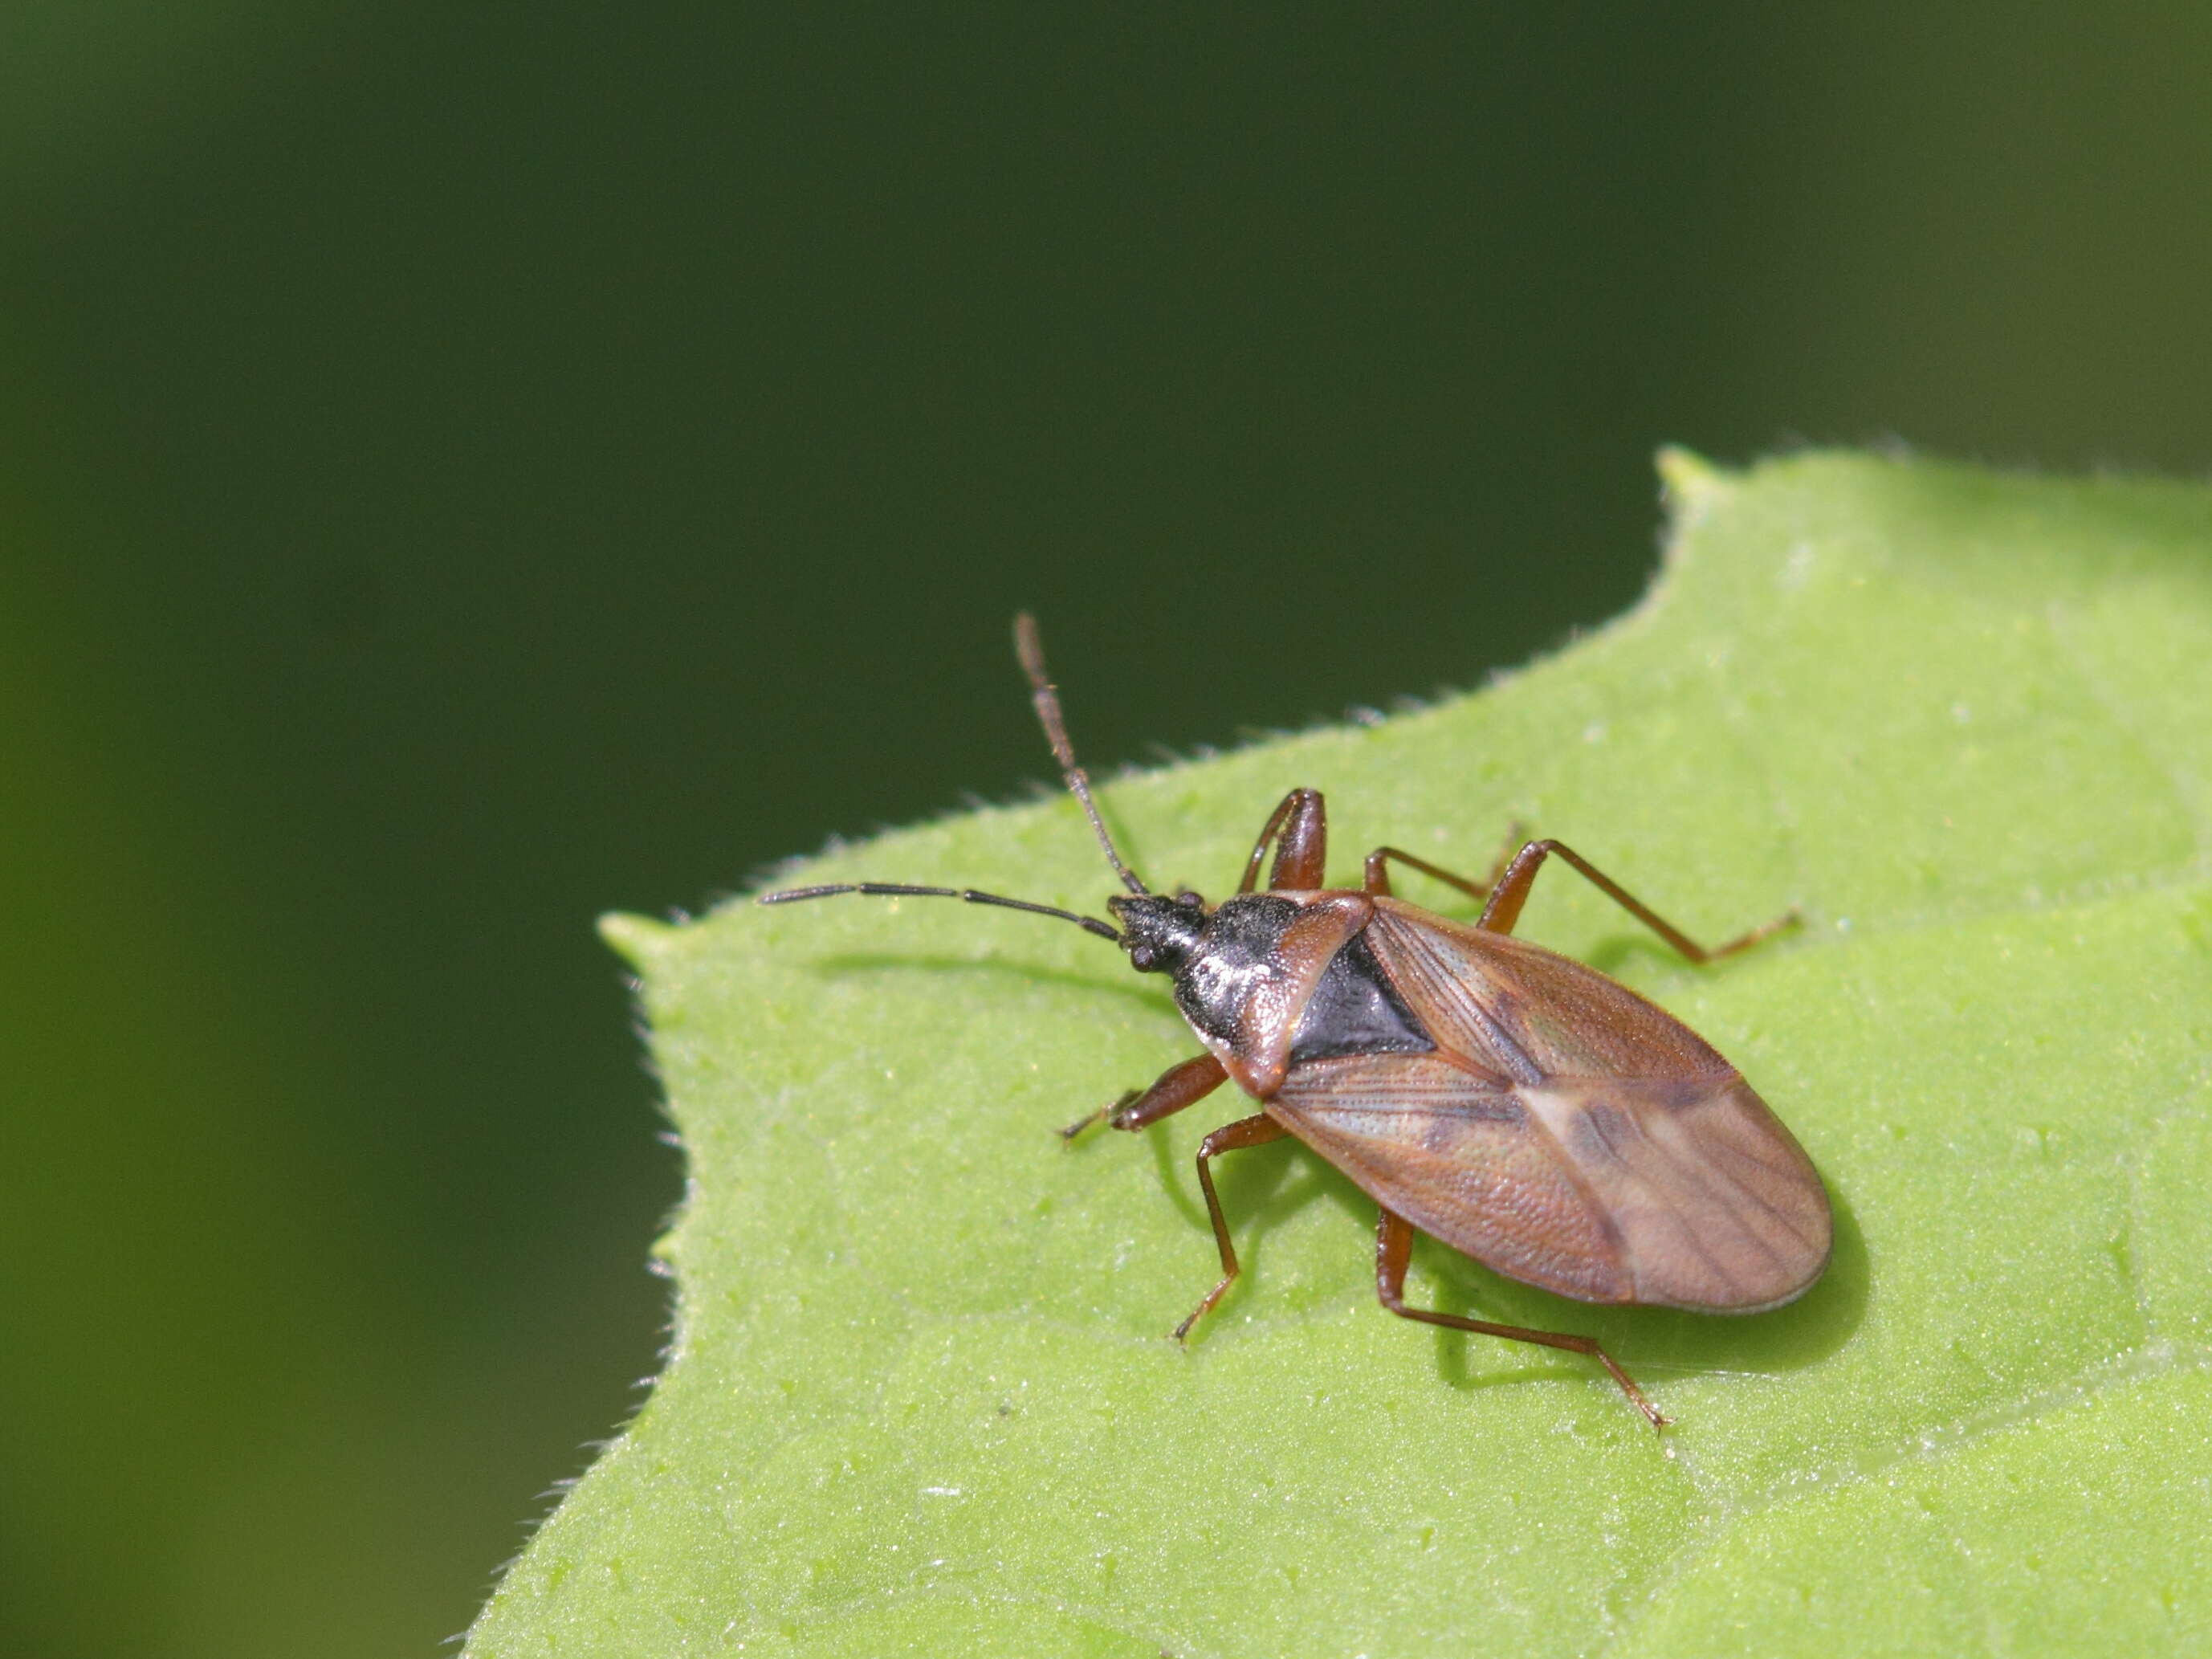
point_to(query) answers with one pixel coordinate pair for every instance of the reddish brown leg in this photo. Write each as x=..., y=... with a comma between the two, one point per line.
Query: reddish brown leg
x=1394, y=1248
x=1516, y=835
x=1254, y=1131
x=1299, y=829
x=1512, y=892
x=1182, y=1084
x=1378, y=868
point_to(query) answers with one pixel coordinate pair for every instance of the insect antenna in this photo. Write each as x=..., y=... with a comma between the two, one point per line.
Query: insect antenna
x=1031, y=649
x=899, y=889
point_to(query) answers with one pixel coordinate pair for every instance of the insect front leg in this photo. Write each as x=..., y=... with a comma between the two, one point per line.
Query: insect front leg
x=1182, y=1085
x=1394, y=1248
x=1299, y=827
x=1254, y=1131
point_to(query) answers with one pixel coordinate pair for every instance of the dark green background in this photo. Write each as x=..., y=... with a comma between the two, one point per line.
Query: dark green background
x=463, y=470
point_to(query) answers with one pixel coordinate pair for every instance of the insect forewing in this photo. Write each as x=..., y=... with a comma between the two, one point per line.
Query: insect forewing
x=1566, y=1132
x=1455, y=1153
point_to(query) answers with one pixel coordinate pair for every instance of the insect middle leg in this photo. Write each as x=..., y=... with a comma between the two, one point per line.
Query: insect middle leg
x=1510, y=891
x=1394, y=1248
x=1254, y=1131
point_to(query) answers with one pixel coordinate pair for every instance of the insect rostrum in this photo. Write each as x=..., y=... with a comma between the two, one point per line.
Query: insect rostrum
x=1518, y=1106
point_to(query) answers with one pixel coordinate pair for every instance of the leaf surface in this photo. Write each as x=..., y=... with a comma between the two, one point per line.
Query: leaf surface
x=920, y=1398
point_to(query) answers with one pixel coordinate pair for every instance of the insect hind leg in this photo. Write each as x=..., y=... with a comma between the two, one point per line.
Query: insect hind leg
x=1394, y=1248
x=1511, y=892
x=1507, y=890
x=1379, y=860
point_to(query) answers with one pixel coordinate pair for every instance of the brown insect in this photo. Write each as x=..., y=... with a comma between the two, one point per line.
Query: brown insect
x=1522, y=1108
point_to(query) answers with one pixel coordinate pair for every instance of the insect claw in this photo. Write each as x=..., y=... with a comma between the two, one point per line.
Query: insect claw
x=1787, y=922
x=1117, y=1115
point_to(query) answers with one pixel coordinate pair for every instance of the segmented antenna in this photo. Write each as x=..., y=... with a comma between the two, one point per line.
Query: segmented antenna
x=900, y=889
x=1031, y=649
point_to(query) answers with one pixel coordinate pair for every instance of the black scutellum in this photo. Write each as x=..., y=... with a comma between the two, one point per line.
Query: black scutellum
x=1355, y=1010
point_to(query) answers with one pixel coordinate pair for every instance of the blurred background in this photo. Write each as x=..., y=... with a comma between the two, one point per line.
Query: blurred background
x=464, y=469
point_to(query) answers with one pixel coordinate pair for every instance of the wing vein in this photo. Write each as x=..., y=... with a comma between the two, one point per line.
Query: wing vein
x=1570, y=1168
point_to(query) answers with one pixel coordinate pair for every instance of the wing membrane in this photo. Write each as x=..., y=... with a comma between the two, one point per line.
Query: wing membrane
x=1715, y=1204
x=1458, y=1155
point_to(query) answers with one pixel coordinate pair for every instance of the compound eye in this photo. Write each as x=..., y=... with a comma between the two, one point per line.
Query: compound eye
x=1187, y=897
x=1142, y=958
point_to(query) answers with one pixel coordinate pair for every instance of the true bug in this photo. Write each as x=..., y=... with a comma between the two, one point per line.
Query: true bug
x=1519, y=1106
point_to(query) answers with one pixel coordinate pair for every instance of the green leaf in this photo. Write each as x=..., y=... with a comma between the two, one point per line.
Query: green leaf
x=921, y=1399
